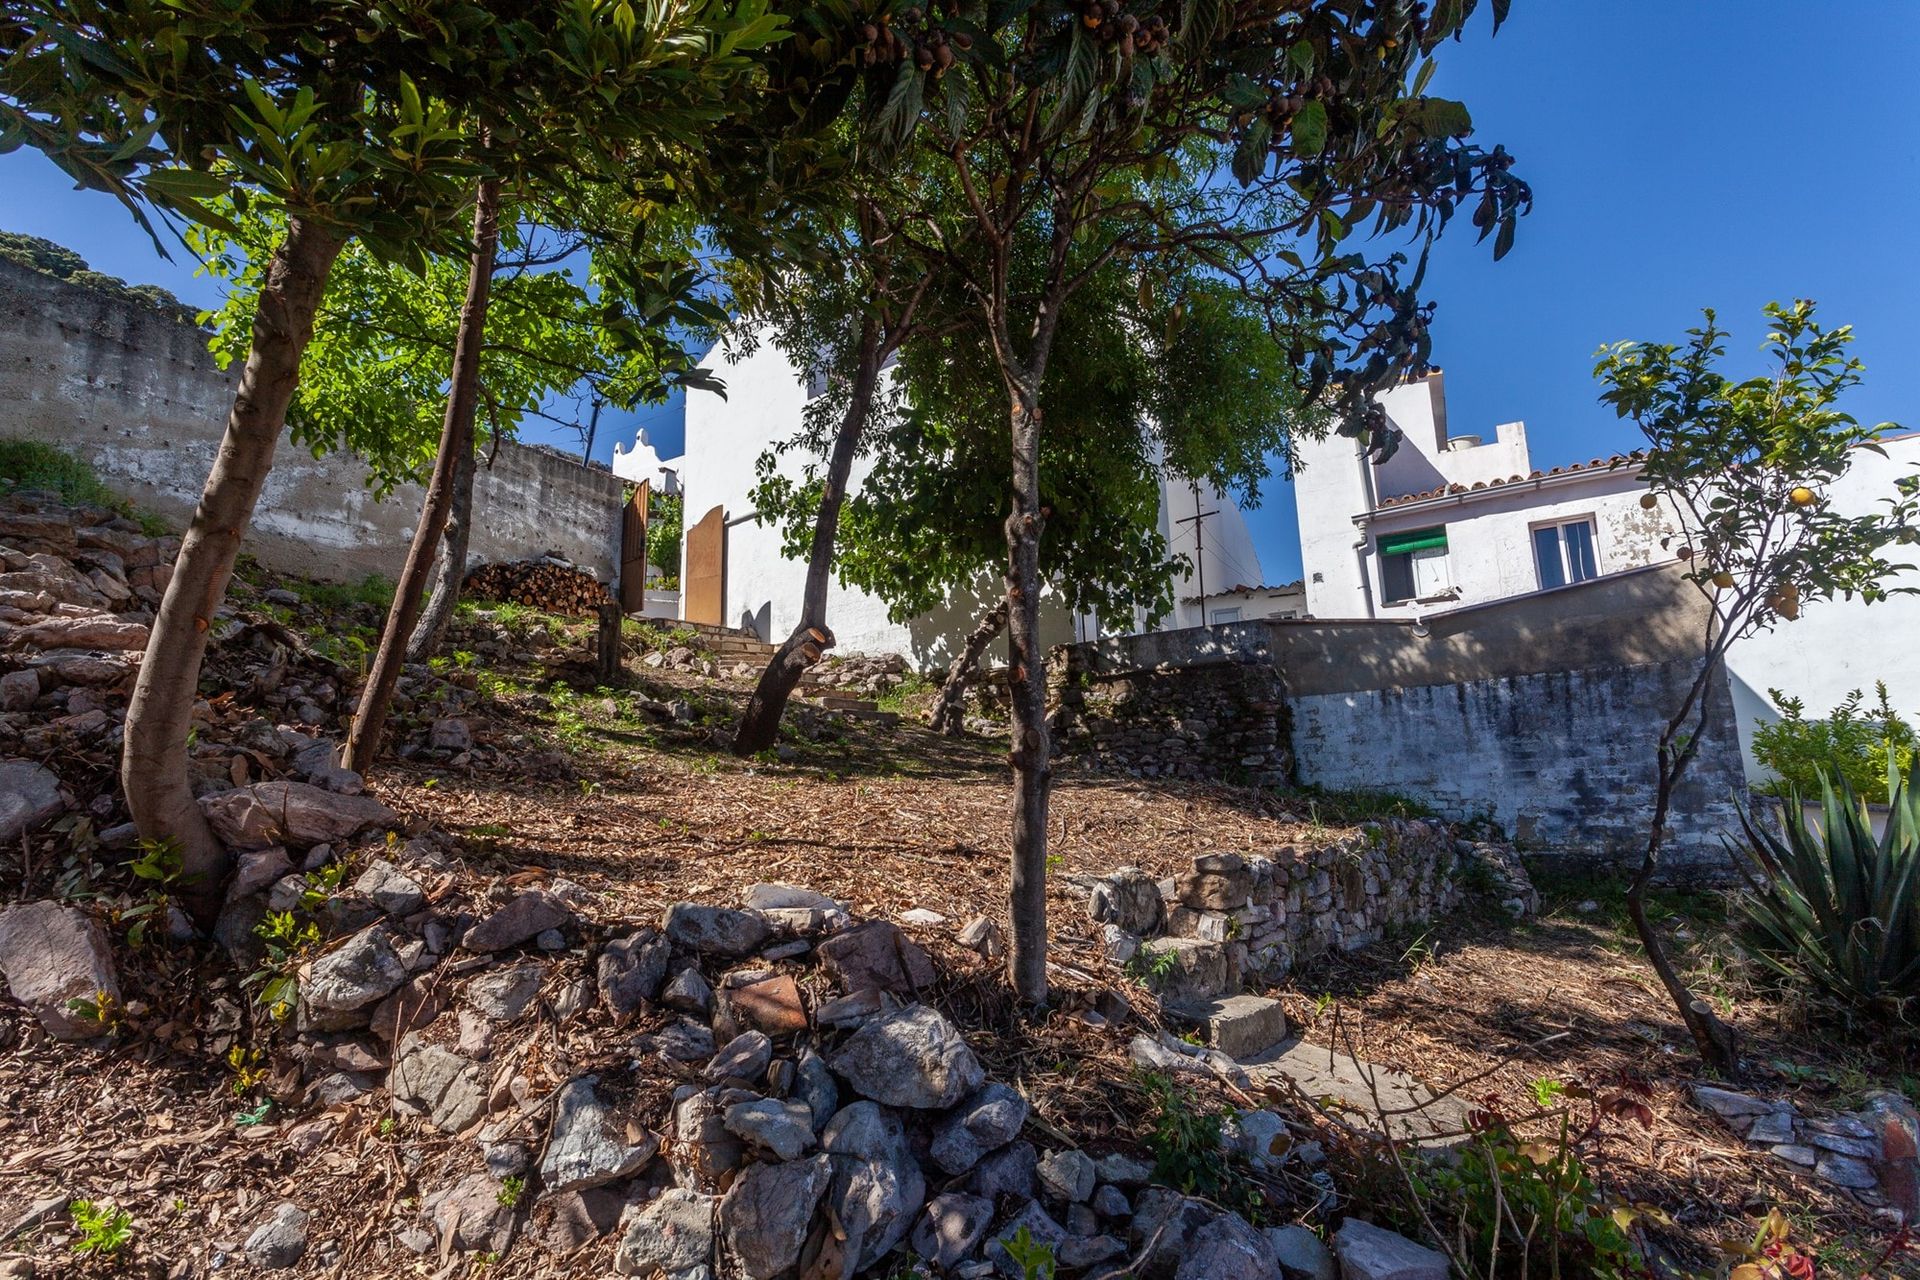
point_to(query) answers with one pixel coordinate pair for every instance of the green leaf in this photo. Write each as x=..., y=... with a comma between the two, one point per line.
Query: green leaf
x=1310, y=129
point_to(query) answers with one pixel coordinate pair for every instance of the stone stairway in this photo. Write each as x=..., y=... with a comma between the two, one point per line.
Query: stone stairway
x=730, y=644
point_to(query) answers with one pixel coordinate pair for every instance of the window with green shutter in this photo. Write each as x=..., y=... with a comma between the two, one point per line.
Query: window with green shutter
x=1413, y=564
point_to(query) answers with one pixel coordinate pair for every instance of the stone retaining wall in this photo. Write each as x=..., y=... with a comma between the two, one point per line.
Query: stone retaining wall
x=1226, y=721
x=1236, y=921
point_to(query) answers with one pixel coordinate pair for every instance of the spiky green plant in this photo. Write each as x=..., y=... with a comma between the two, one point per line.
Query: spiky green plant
x=1833, y=903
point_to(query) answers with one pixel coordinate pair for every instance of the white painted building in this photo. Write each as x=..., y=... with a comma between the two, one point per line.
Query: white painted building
x=1458, y=520
x=766, y=396
x=1241, y=603
x=1451, y=521
x=643, y=462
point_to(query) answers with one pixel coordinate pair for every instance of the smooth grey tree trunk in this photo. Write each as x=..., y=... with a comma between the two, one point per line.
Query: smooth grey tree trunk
x=450, y=571
x=456, y=442
x=1027, y=684
x=949, y=713
x=153, y=763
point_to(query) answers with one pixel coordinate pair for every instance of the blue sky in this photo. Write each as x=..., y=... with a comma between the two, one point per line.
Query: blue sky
x=1682, y=155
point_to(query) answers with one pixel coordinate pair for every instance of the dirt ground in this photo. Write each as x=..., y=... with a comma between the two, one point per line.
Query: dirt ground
x=641, y=810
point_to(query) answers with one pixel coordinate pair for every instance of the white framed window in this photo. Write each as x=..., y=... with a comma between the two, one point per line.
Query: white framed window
x=1413, y=565
x=1563, y=552
x=1220, y=617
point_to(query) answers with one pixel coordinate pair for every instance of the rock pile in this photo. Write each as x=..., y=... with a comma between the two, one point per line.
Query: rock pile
x=783, y=1099
x=1873, y=1153
x=856, y=675
x=1236, y=921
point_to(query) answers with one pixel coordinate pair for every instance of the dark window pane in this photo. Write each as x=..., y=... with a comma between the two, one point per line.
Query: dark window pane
x=1580, y=561
x=1396, y=578
x=1546, y=554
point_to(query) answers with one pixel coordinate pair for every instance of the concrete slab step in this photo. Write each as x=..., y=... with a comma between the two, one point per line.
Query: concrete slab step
x=1369, y=1094
x=1242, y=1026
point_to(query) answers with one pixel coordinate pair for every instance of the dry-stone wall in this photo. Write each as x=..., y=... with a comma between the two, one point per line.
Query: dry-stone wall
x=1236, y=921
x=1225, y=721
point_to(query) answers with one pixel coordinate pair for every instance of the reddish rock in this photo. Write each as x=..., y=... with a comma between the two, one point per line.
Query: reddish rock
x=876, y=955
x=772, y=1005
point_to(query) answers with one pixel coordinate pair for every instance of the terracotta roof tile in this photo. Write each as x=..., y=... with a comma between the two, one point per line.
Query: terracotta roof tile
x=1595, y=464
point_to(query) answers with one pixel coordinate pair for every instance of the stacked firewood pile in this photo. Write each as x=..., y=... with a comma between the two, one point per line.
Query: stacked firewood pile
x=552, y=586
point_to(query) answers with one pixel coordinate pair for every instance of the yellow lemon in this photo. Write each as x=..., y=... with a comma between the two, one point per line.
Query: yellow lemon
x=1802, y=496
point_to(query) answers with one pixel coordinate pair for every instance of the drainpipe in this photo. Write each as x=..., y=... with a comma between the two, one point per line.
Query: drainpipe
x=1360, y=547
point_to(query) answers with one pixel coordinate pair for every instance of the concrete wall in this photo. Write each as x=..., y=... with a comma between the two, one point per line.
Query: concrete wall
x=1540, y=712
x=135, y=393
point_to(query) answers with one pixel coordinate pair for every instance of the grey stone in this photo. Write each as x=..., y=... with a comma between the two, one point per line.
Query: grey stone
x=1124, y=1170
x=1110, y=1201
x=682, y=1041
x=320, y=765
x=765, y=1215
x=1793, y=1153
x=506, y=1159
x=506, y=993
x=1729, y=1105
x=783, y=1128
x=1228, y=1248
x=360, y=972
x=688, y=992
x=1006, y=1172
x=1082, y=1221
x=29, y=796
x=951, y=1228
x=588, y=1144
x=1845, y=1171
x=1367, y=1252
x=786, y=897
x=1301, y=1254
x=280, y=1241
x=527, y=913
x=1077, y=1253
x=671, y=1236
x=19, y=690
x=1771, y=1128
x=1130, y=900
x=912, y=1058
x=550, y=940
x=631, y=970
x=337, y=1087
x=986, y=1121
x=876, y=955
x=1859, y=1148
x=813, y=1084
x=445, y=1085
x=1241, y=1026
x=471, y=1213
x=1118, y=945
x=1164, y=1224
x=1040, y=1228
x=1187, y=970
x=450, y=734
x=983, y=935
x=1067, y=1174
x=705, y=1148
x=392, y=891
x=580, y=1217
x=745, y=1057
x=1262, y=1137
x=52, y=955
x=291, y=813
x=715, y=931
x=854, y=1010
x=877, y=1186
x=256, y=869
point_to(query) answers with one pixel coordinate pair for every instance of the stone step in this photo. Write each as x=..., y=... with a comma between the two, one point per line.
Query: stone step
x=1413, y=1111
x=1242, y=1026
x=1189, y=971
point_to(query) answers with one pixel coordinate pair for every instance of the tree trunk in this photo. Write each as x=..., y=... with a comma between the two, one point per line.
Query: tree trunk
x=1718, y=1043
x=949, y=715
x=1027, y=683
x=153, y=763
x=456, y=441
x=760, y=726
x=450, y=571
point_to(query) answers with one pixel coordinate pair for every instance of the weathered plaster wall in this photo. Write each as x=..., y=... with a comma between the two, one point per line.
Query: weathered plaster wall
x=135, y=393
x=1540, y=712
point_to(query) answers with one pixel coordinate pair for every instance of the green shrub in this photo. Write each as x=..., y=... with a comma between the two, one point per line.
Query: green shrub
x=28, y=464
x=1834, y=904
x=1798, y=750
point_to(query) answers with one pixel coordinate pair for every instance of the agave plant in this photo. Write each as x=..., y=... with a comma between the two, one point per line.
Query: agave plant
x=1834, y=903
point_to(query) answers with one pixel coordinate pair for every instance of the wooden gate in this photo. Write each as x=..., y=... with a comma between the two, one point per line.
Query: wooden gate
x=703, y=583
x=633, y=550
